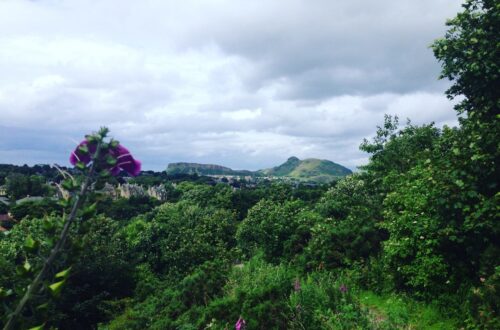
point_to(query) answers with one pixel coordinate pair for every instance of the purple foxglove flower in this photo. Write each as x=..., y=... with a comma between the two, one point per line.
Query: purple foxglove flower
x=240, y=324
x=125, y=161
x=343, y=288
x=80, y=156
x=296, y=285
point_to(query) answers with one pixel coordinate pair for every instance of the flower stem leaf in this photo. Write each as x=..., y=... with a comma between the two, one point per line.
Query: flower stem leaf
x=55, y=288
x=30, y=244
x=40, y=327
x=64, y=273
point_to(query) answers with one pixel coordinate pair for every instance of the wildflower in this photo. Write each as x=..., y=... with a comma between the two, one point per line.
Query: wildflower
x=125, y=161
x=240, y=324
x=343, y=288
x=296, y=285
x=115, y=157
x=82, y=153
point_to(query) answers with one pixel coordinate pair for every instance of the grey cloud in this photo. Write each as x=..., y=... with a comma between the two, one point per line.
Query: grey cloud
x=244, y=84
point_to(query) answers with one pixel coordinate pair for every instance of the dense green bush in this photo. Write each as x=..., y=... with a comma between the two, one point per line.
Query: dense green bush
x=102, y=273
x=178, y=305
x=22, y=252
x=126, y=208
x=323, y=301
x=280, y=229
x=483, y=303
x=258, y=292
x=181, y=236
x=100, y=270
x=19, y=185
x=348, y=230
x=204, y=195
x=36, y=209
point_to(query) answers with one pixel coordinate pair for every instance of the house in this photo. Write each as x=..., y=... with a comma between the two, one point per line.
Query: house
x=131, y=190
x=5, y=217
x=109, y=190
x=3, y=191
x=6, y=221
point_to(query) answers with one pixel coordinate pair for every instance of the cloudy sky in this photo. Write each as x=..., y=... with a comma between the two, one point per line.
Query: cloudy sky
x=244, y=84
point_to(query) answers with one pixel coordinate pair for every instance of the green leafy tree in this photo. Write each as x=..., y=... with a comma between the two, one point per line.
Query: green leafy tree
x=348, y=229
x=126, y=208
x=281, y=230
x=182, y=236
x=35, y=209
x=20, y=185
x=441, y=209
x=102, y=274
x=17, y=185
x=469, y=55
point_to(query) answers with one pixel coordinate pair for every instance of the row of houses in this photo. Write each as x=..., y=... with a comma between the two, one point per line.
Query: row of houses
x=128, y=190
x=125, y=190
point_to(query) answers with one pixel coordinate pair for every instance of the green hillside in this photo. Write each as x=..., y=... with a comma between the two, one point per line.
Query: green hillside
x=312, y=169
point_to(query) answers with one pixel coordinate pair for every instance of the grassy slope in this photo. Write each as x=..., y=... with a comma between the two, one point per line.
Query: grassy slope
x=314, y=168
x=398, y=312
x=308, y=169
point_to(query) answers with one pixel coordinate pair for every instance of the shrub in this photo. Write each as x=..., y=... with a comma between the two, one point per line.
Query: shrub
x=280, y=230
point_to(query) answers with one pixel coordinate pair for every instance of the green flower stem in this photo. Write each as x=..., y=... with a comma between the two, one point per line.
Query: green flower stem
x=80, y=198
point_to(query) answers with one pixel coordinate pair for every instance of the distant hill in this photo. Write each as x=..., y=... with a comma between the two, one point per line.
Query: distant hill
x=203, y=169
x=311, y=169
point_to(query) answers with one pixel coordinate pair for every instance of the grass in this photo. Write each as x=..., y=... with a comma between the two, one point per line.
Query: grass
x=389, y=311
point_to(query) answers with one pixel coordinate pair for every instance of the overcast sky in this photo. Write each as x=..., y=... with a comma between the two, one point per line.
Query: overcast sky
x=245, y=84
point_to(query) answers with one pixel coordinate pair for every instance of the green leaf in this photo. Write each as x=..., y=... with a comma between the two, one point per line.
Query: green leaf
x=114, y=143
x=5, y=293
x=64, y=273
x=27, y=266
x=40, y=327
x=91, y=138
x=104, y=146
x=30, y=244
x=42, y=306
x=104, y=173
x=21, y=271
x=55, y=288
x=68, y=184
x=63, y=202
x=89, y=211
x=80, y=165
x=111, y=160
x=84, y=149
x=48, y=225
